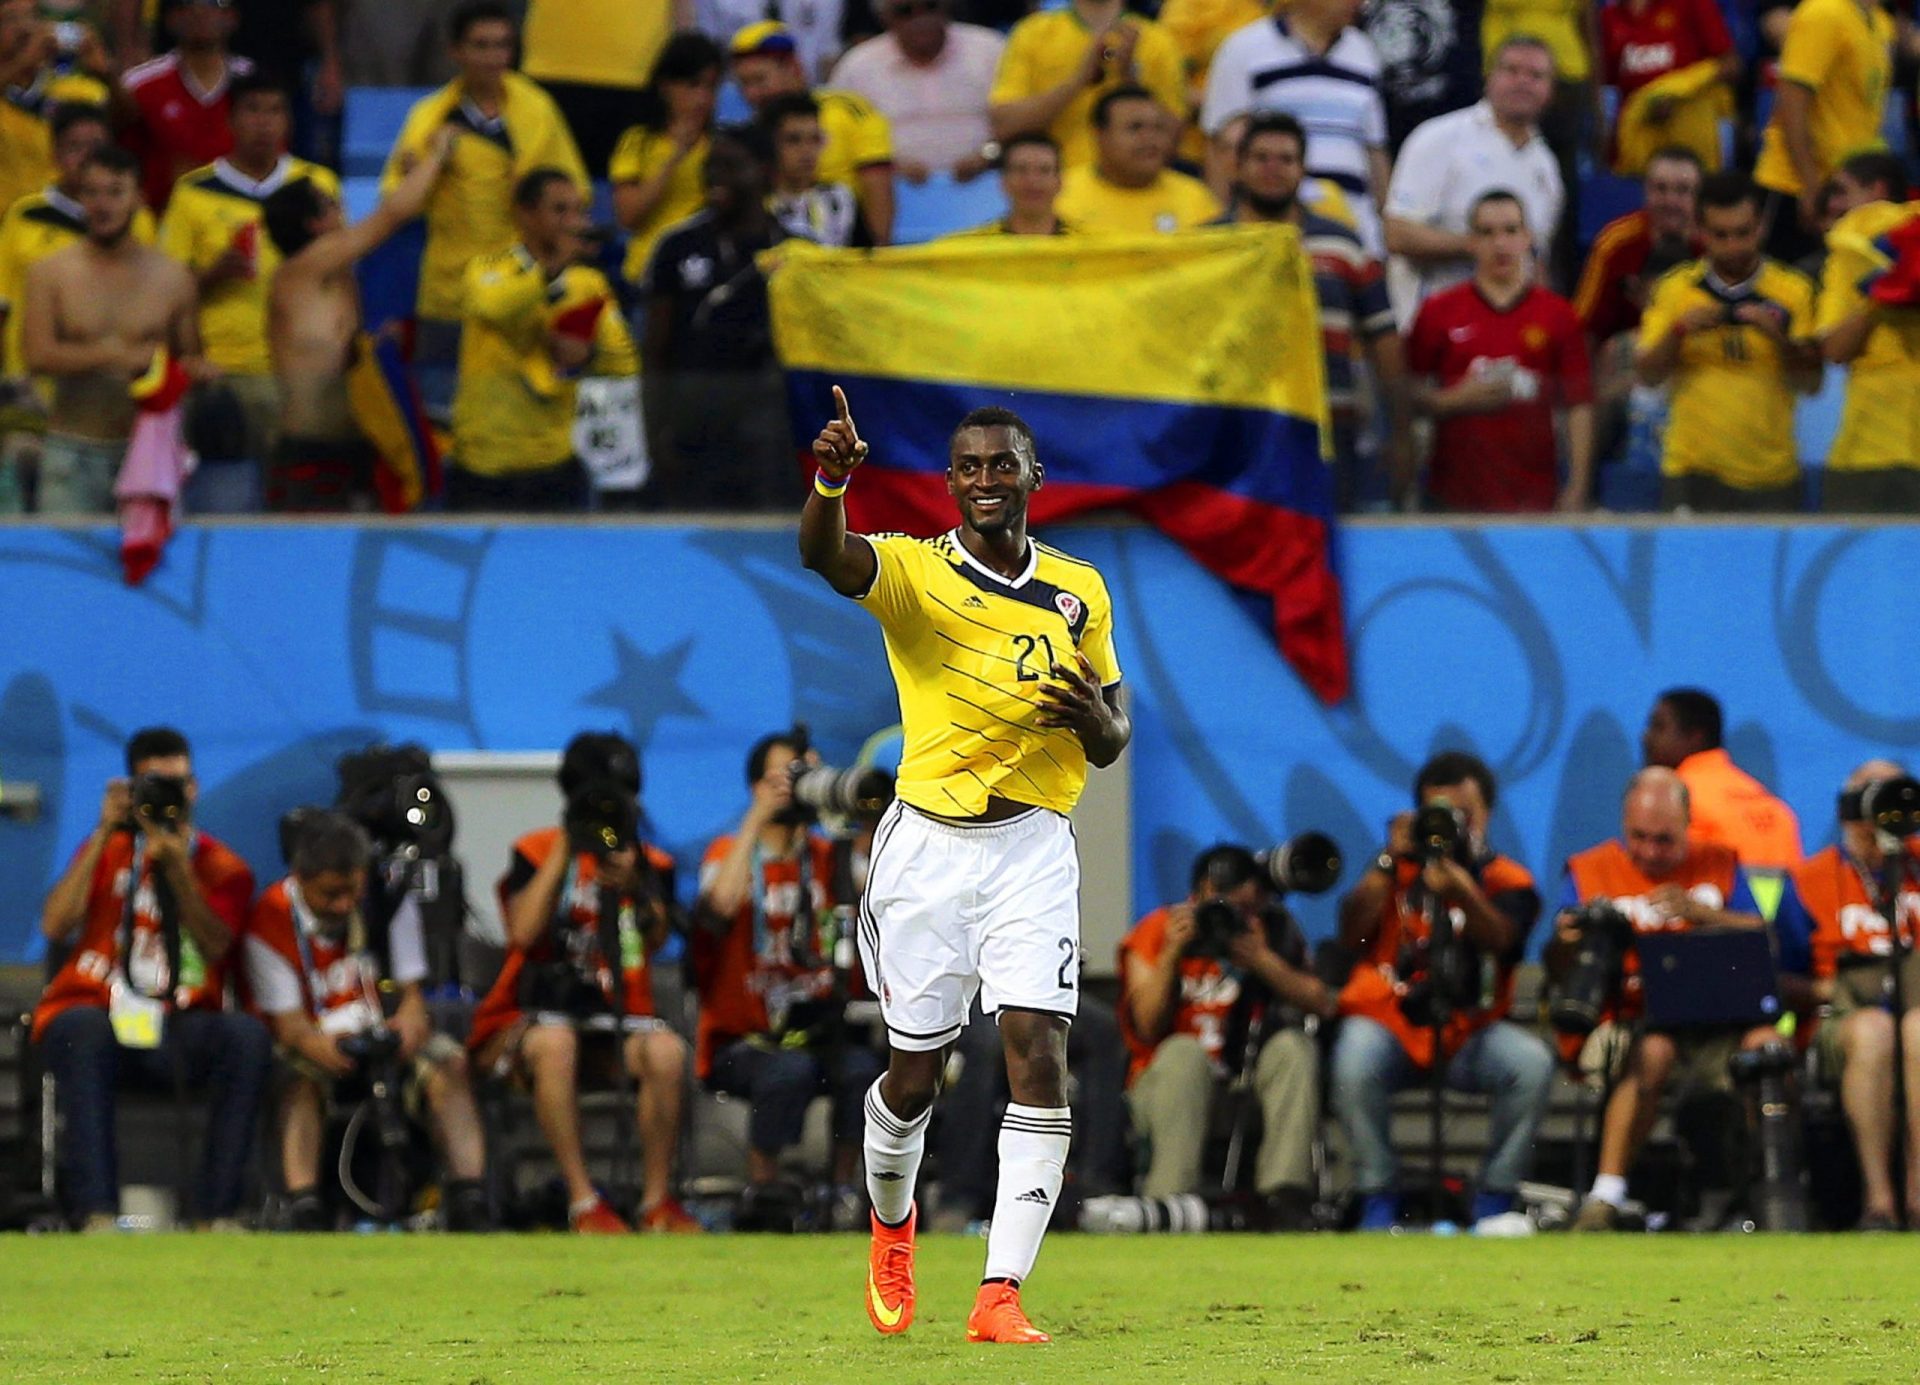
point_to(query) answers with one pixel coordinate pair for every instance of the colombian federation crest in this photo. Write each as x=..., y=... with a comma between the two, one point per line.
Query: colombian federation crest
x=1069, y=605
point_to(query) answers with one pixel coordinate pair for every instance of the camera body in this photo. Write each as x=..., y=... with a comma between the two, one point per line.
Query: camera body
x=1217, y=921
x=1891, y=806
x=601, y=817
x=1440, y=833
x=392, y=791
x=1594, y=979
x=159, y=800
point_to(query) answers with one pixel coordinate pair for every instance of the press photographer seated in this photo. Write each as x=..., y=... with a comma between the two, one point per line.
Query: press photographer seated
x=1198, y=980
x=1862, y=897
x=152, y=906
x=1437, y=927
x=319, y=957
x=771, y=999
x=586, y=904
x=1654, y=879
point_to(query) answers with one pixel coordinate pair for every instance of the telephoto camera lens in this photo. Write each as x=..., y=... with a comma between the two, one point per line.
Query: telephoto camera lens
x=1307, y=864
x=862, y=791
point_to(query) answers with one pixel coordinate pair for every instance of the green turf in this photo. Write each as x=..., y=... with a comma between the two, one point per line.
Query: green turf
x=1212, y=1310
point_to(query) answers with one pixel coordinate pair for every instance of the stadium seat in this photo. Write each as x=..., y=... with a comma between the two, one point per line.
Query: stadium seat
x=1817, y=420
x=372, y=123
x=940, y=206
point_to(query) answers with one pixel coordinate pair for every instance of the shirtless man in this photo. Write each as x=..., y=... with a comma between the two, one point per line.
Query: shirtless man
x=95, y=314
x=313, y=317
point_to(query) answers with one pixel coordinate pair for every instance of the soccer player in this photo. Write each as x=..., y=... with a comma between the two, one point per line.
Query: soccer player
x=1002, y=650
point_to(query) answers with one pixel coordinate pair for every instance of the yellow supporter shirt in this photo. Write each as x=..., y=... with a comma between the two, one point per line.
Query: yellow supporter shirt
x=857, y=136
x=1044, y=49
x=1732, y=411
x=470, y=213
x=26, y=153
x=34, y=227
x=209, y=207
x=1880, y=424
x=1560, y=24
x=1172, y=202
x=969, y=650
x=1843, y=54
x=641, y=154
x=511, y=412
x=608, y=43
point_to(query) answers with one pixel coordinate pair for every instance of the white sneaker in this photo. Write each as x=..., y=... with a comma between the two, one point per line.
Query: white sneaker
x=1505, y=1225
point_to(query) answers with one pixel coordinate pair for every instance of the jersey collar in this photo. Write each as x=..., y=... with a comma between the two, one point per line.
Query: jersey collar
x=64, y=204
x=1015, y=583
x=259, y=189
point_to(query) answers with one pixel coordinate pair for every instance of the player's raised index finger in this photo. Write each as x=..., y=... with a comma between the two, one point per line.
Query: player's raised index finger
x=840, y=403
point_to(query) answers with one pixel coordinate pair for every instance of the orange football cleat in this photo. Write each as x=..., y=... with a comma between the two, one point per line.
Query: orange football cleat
x=998, y=1317
x=890, y=1275
x=669, y=1216
x=599, y=1220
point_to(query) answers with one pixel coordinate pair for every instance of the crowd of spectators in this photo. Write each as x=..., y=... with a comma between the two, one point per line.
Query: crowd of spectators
x=1442, y=154
x=287, y=1005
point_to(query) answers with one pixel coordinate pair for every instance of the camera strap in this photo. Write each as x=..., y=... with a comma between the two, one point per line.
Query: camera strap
x=168, y=910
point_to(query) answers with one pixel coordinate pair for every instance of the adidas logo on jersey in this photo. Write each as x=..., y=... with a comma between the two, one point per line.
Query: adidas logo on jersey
x=1038, y=1195
x=974, y=603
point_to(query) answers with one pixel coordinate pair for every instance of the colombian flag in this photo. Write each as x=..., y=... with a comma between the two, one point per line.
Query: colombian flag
x=1179, y=377
x=385, y=403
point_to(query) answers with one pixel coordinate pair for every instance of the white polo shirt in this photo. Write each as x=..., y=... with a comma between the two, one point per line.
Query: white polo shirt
x=1444, y=167
x=1334, y=95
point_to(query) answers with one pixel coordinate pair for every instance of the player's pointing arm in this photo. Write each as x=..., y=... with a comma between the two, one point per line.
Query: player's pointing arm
x=845, y=560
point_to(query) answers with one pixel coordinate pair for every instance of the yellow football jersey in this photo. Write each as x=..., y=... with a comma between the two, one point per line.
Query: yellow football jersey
x=1732, y=412
x=969, y=651
x=1880, y=426
x=210, y=206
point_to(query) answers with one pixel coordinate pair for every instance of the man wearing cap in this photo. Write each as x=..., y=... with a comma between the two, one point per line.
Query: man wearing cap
x=859, y=152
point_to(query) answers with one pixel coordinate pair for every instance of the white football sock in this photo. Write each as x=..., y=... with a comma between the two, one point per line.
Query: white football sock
x=1609, y=1188
x=1033, y=1162
x=893, y=1148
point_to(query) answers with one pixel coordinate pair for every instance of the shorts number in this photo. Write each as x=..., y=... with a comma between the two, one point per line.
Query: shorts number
x=1068, y=964
x=1026, y=644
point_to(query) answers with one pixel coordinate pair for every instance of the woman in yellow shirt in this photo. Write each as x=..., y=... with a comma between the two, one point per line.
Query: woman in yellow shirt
x=658, y=165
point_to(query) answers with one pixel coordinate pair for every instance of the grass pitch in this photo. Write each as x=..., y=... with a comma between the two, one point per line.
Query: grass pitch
x=788, y=1310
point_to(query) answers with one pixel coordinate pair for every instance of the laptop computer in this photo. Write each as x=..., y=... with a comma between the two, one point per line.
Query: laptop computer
x=1708, y=978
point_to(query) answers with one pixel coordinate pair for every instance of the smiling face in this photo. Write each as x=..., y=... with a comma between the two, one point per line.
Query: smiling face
x=990, y=472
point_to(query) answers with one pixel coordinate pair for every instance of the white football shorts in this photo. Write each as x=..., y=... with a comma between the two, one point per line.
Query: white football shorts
x=952, y=910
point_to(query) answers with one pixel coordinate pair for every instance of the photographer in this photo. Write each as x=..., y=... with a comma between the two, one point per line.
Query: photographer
x=151, y=906
x=1863, y=898
x=1185, y=972
x=1484, y=905
x=1655, y=878
x=317, y=971
x=586, y=904
x=769, y=993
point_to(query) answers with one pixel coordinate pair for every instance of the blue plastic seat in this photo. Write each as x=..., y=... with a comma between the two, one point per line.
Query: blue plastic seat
x=371, y=124
x=940, y=206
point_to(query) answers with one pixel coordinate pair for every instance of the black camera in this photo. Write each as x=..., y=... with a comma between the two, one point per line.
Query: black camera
x=1779, y=1193
x=159, y=800
x=561, y=987
x=1450, y=985
x=1439, y=833
x=1891, y=806
x=392, y=791
x=1217, y=921
x=1307, y=864
x=602, y=817
x=1605, y=936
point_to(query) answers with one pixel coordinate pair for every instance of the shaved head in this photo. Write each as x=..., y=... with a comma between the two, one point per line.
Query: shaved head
x=1653, y=822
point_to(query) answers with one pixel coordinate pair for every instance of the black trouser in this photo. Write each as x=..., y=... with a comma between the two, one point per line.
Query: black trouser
x=1787, y=240
x=547, y=489
x=779, y=1083
x=1893, y=490
x=598, y=116
x=229, y=1055
x=1709, y=495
